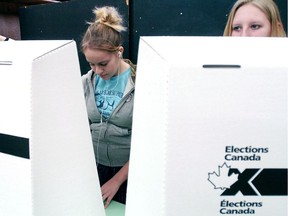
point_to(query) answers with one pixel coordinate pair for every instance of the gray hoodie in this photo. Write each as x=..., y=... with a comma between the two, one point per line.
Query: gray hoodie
x=111, y=137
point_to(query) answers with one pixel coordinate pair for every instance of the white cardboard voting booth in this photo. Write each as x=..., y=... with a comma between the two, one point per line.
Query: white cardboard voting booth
x=209, y=127
x=42, y=104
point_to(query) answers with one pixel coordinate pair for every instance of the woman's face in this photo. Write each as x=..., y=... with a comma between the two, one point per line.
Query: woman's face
x=250, y=21
x=103, y=63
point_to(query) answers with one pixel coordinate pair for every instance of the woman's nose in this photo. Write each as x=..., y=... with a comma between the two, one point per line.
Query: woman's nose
x=97, y=69
x=245, y=32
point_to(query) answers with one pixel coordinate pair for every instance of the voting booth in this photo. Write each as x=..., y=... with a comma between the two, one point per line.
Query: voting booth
x=47, y=163
x=209, y=127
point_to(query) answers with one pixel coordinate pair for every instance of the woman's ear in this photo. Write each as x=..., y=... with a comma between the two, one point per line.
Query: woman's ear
x=279, y=25
x=120, y=51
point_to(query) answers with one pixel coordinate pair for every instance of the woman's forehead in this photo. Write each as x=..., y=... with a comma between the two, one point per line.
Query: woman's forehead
x=96, y=55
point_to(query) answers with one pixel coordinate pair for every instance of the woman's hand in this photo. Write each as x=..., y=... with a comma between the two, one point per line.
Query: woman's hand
x=110, y=188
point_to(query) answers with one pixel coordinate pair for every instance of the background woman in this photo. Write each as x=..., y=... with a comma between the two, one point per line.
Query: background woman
x=254, y=18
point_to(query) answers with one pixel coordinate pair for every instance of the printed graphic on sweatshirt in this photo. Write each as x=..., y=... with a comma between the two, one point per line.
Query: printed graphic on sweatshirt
x=107, y=100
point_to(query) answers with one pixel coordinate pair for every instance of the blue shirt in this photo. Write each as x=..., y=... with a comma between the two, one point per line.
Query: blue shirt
x=108, y=93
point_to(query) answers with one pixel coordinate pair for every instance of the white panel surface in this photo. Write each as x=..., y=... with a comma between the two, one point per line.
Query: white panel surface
x=15, y=186
x=42, y=99
x=212, y=140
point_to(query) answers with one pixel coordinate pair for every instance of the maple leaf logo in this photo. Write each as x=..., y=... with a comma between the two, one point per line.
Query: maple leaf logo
x=222, y=180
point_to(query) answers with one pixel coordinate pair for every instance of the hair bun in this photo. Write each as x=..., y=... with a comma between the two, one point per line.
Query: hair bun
x=109, y=16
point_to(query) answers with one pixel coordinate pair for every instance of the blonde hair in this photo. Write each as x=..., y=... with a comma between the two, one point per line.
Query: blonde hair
x=105, y=33
x=268, y=7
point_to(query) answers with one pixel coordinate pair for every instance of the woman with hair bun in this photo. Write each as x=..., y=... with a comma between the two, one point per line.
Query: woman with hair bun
x=109, y=94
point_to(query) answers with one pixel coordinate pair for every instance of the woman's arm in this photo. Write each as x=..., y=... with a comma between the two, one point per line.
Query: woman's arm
x=110, y=188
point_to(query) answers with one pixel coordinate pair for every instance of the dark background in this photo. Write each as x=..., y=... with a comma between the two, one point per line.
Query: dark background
x=67, y=20
x=182, y=17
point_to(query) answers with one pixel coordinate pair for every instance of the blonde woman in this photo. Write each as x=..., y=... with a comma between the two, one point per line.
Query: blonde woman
x=254, y=18
x=109, y=93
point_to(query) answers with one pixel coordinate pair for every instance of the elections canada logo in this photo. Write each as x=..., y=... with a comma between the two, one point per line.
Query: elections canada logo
x=252, y=182
x=249, y=182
